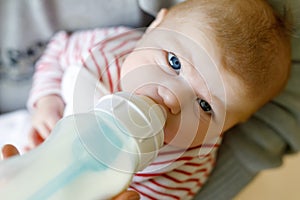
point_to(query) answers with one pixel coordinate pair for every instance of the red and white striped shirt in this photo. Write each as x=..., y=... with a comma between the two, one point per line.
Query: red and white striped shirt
x=174, y=174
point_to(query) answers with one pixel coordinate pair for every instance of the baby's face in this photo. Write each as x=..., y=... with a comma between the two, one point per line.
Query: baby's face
x=180, y=70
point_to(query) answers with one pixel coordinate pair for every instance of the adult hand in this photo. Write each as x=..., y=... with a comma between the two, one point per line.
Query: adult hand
x=48, y=111
x=10, y=150
x=127, y=195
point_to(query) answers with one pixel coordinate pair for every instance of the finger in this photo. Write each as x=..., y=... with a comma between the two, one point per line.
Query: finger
x=9, y=150
x=27, y=148
x=34, y=138
x=52, y=121
x=127, y=195
x=42, y=130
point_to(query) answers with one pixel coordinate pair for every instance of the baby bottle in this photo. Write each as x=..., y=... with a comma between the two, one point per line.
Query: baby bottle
x=90, y=155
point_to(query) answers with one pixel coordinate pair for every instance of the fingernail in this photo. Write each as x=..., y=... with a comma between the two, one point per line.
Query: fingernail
x=134, y=197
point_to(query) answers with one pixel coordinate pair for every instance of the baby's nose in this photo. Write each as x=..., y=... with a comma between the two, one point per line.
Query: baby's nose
x=170, y=100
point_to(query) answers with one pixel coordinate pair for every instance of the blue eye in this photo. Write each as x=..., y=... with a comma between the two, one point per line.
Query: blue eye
x=204, y=105
x=174, y=62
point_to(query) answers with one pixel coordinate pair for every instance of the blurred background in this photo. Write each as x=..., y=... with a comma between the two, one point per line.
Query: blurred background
x=275, y=184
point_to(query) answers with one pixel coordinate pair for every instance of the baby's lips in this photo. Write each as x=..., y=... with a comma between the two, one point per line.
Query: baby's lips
x=164, y=110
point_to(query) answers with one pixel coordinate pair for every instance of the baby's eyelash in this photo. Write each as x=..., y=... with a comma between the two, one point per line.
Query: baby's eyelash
x=204, y=105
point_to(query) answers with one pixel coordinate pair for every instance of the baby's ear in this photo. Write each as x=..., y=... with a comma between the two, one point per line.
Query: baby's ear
x=159, y=18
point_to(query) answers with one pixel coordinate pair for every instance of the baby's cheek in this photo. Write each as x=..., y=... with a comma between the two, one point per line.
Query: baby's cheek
x=171, y=131
x=184, y=133
x=201, y=134
x=129, y=64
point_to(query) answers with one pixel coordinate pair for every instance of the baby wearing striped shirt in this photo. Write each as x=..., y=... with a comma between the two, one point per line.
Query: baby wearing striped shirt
x=204, y=62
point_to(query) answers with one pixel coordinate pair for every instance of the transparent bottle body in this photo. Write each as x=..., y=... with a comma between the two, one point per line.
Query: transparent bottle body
x=90, y=155
x=64, y=167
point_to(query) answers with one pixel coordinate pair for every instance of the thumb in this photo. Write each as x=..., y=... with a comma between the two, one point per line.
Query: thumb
x=127, y=195
x=9, y=150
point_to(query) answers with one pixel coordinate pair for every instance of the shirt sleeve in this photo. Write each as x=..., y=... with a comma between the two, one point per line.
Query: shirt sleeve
x=97, y=50
x=48, y=71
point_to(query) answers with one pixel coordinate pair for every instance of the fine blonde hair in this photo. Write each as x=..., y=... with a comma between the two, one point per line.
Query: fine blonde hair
x=254, y=40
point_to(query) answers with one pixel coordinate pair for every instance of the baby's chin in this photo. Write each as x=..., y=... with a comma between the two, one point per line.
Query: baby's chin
x=179, y=142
